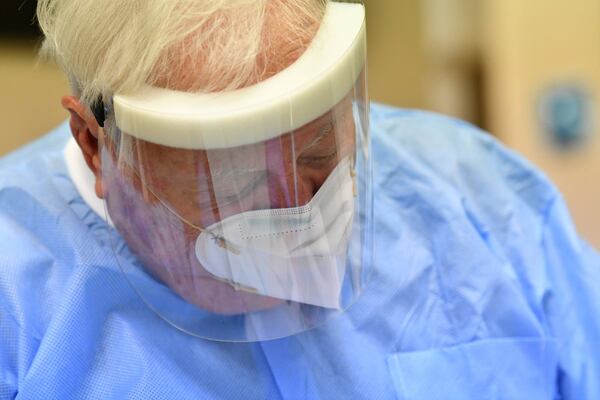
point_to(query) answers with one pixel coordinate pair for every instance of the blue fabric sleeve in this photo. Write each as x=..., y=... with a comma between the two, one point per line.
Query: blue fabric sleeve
x=526, y=223
x=8, y=356
x=573, y=304
x=19, y=336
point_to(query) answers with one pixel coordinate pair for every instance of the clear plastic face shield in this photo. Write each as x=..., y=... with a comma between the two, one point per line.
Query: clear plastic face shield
x=249, y=211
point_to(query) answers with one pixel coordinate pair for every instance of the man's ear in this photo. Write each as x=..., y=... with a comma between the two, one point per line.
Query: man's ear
x=85, y=130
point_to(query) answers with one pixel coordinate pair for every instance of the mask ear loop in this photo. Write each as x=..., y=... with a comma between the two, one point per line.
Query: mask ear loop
x=218, y=239
x=353, y=175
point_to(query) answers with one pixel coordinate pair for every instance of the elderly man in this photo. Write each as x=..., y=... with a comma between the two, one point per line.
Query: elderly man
x=214, y=227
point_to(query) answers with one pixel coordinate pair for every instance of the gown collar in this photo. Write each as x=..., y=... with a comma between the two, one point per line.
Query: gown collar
x=83, y=179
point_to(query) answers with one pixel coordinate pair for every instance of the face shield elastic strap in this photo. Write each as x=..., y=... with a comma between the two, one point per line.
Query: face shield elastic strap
x=98, y=109
x=218, y=239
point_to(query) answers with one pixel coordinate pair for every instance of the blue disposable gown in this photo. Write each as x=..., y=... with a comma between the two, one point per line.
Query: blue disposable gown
x=483, y=290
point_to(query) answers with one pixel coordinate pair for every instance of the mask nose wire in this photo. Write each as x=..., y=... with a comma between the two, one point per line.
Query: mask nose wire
x=219, y=239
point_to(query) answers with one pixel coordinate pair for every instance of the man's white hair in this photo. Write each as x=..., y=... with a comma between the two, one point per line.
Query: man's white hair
x=117, y=46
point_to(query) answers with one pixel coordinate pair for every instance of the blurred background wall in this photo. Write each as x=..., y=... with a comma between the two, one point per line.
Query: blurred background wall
x=29, y=91
x=527, y=71
x=542, y=61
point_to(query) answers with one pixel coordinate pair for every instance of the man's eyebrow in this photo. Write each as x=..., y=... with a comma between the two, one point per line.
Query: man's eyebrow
x=237, y=193
x=236, y=172
x=325, y=130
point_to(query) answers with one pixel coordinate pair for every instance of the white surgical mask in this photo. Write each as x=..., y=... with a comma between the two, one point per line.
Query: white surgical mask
x=296, y=254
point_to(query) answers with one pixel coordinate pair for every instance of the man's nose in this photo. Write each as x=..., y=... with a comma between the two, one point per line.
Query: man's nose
x=294, y=191
x=306, y=190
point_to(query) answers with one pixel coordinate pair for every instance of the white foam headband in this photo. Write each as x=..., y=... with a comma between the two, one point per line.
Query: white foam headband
x=314, y=84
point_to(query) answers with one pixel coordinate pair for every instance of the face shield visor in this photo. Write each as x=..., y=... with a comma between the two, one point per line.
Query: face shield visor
x=249, y=211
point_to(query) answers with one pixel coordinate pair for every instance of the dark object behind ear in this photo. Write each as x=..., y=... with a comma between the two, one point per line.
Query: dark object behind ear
x=98, y=111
